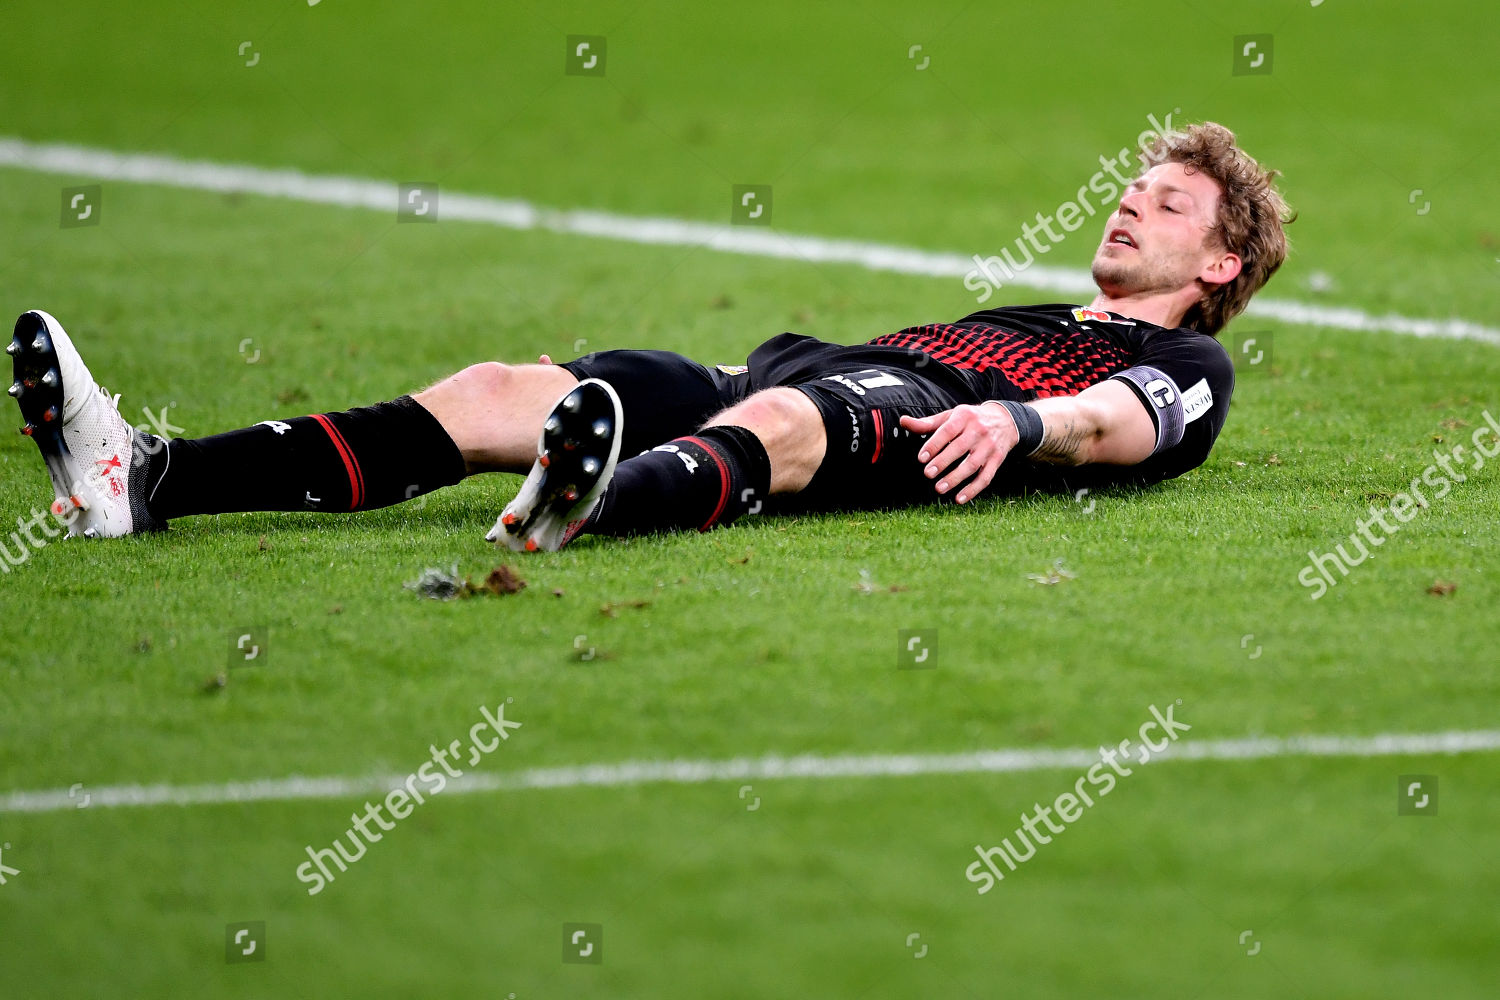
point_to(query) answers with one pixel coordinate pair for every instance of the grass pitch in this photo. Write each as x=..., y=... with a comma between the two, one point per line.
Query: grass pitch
x=1290, y=876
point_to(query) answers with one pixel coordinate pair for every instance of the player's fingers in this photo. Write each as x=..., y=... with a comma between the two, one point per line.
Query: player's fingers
x=982, y=479
x=958, y=475
x=945, y=459
x=950, y=458
x=543, y=360
x=924, y=424
x=989, y=457
x=974, y=473
x=950, y=427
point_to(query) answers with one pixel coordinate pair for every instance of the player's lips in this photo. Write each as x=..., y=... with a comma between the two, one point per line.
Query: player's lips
x=1121, y=237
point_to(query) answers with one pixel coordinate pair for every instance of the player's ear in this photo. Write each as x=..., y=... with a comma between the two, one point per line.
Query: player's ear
x=1221, y=270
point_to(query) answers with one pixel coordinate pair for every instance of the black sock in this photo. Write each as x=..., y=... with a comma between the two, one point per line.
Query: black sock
x=359, y=459
x=701, y=481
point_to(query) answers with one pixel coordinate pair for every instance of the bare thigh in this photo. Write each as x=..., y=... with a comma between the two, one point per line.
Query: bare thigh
x=790, y=428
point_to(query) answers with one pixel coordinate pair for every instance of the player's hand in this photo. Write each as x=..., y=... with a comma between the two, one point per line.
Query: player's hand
x=967, y=446
x=543, y=360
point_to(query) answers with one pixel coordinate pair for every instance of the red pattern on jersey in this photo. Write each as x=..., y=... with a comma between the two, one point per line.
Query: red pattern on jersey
x=1062, y=363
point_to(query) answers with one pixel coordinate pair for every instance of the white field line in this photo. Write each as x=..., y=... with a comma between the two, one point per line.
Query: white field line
x=358, y=192
x=696, y=772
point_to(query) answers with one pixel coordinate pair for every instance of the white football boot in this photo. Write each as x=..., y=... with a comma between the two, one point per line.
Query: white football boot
x=97, y=461
x=576, y=457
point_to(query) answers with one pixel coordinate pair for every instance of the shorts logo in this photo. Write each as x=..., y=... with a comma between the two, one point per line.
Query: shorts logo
x=854, y=420
x=733, y=369
x=848, y=383
x=875, y=379
x=1160, y=391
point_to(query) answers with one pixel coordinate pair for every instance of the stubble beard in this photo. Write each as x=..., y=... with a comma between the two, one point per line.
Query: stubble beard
x=1120, y=278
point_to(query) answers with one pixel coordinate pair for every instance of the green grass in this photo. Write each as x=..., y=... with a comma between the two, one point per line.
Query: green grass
x=757, y=639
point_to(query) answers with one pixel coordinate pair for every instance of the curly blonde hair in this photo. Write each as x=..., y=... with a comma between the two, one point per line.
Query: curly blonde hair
x=1251, y=215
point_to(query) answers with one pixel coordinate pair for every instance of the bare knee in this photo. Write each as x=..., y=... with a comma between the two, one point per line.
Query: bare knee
x=520, y=389
x=790, y=428
x=493, y=411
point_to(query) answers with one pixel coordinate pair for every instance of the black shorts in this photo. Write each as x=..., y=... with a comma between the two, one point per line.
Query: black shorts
x=664, y=395
x=861, y=390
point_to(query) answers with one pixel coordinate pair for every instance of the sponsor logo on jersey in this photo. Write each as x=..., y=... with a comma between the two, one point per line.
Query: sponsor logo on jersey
x=1197, y=401
x=1081, y=314
x=733, y=369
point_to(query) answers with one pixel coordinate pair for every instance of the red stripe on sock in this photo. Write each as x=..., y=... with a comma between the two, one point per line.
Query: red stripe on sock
x=351, y=466
x=723, y=481
x=358, y=499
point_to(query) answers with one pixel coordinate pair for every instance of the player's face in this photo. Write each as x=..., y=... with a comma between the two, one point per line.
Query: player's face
x=1154, y=240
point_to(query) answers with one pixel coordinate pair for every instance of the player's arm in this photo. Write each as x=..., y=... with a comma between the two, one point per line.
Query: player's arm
x=1103, y=423
x=1106, y=423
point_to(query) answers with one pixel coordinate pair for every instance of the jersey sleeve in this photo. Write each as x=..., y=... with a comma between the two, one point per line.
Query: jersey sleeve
x=1184, y=379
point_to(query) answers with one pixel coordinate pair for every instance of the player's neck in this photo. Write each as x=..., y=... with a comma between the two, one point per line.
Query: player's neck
x=1162, y=310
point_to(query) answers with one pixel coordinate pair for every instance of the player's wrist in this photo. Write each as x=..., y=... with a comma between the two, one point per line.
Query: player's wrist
x=1028, y=424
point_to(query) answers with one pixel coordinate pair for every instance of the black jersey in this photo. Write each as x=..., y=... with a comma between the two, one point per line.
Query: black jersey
x=1034, y=352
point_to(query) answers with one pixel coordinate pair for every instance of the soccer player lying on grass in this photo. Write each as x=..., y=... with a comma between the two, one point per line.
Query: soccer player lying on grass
x=1129, y=389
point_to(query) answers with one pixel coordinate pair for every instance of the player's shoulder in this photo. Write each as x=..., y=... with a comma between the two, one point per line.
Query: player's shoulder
x=1189, y=345
x=1195, y=362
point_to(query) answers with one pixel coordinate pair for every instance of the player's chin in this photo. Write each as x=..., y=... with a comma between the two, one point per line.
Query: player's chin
x=1122, y=278
x=1110, y=274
